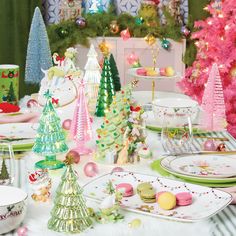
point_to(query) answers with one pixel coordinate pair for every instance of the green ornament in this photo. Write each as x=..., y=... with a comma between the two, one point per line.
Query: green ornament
x=106, y=90
x=50, y=138
x=70, y=213
x=165, y=44
x=62, y=32
x=139, y=21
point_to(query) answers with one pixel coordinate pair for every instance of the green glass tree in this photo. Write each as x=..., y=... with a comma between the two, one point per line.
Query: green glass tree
x=115, y=73
x=4, y=172
x=106, y=90
x=70, y=213
x=50, y=139
x=11, y=97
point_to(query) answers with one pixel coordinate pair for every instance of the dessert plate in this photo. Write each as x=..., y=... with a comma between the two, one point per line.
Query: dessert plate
x=211, y=166
x=21, y=135
x=133, y=72
x=206, y=201
x=165, y=164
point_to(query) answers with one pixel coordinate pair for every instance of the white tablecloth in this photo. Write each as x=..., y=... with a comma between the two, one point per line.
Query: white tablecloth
x=39, y=213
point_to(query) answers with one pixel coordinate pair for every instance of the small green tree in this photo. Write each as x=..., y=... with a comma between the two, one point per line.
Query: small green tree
x=4, y=172
x=106, y=90
x=50, y=139
x=11, y=97
x=115, y=73
x=70, y=213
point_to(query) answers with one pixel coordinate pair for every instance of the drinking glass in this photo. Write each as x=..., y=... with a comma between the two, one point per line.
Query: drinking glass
x=176, y=135
x=7, y=162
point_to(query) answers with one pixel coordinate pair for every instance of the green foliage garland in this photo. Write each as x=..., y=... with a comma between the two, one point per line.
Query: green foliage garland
x=67, y=33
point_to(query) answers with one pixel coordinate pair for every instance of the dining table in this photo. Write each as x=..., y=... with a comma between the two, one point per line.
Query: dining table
x=38, y=213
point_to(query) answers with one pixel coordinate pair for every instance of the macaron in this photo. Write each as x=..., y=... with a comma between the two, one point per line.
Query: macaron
x=143, y=186
x=167, y=201
x=184, y=199
x=151, y=72
x=170, y=71
x=126, y=189
x=141, y=71
x=148, y=195
x=159, y=194
x=162, y=71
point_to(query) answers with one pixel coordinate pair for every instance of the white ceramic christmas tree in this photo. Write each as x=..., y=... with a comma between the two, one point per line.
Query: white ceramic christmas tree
x=92, y=67
x=213, y=104
x=92, y=77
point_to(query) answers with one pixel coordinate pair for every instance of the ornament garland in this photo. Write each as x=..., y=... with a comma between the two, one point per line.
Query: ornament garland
x=72, y=32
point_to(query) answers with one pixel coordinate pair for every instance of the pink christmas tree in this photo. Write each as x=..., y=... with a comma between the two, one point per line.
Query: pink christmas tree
x=215, y=41
x=81, y=130
x=213, y=104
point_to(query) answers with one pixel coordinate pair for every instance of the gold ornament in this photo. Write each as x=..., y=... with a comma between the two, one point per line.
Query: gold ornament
x=233, y=72
x=114, y=27
x=104, y=48
x=150, y=39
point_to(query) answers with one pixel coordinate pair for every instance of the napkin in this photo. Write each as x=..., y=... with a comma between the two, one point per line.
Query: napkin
x=156, y=166
x=19, y=117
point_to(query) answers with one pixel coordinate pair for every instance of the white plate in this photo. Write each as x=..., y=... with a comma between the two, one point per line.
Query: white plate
x=165, y=164
x=211, y=166
x=25, y=132
x=132, y=72
x=206, y=201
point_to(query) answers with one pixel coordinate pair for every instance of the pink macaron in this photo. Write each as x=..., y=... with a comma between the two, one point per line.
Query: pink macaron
x=126, y=189
x=162, y=71
x=159, y=194
x=184, y=199
x=141, y=71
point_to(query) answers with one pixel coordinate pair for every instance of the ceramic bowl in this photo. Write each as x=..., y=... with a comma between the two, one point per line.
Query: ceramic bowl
x=175, y=107
x=12, y=208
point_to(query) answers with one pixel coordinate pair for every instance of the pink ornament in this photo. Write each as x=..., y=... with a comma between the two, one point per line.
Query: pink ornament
x=90, y=169
x=75, y=155
x=132, y=58
x=32, y=103
x=117, y=169
x=209, y=145
x=81, y=130
x=22, y=231
x=66, y=124
x=125, y=34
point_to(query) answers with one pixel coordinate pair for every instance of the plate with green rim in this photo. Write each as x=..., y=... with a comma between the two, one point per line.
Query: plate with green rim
x=21, y=135
x=165, y=164
x=155, y=166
